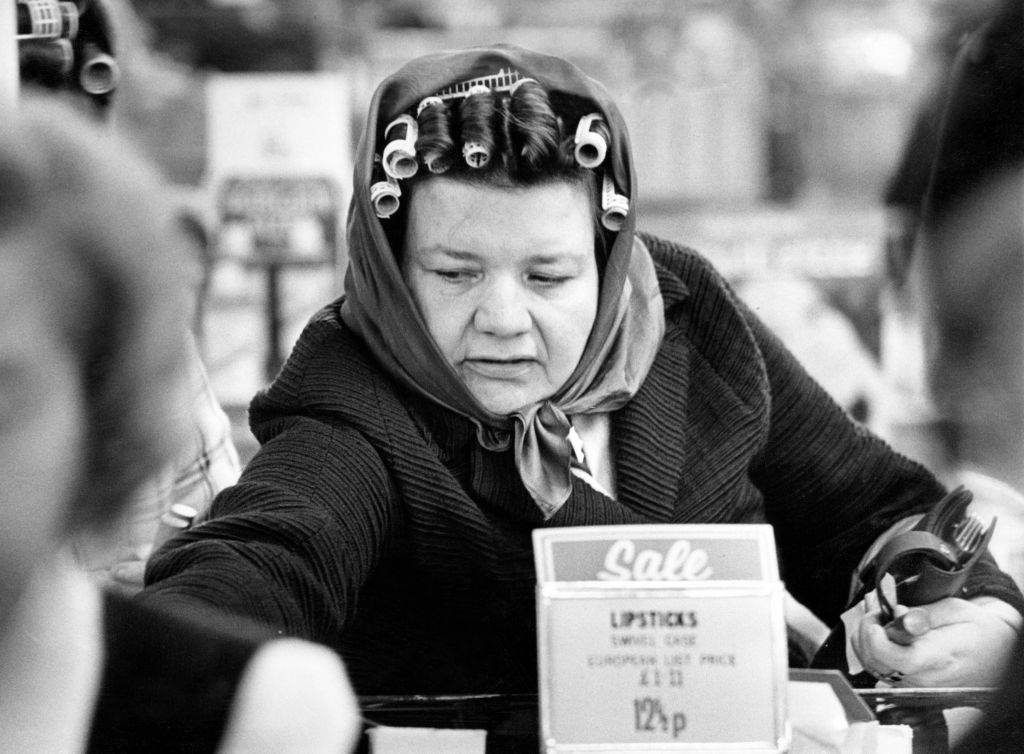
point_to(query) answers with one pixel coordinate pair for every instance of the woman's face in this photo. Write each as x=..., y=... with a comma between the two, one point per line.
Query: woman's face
x=41, y=421
x=507, y=282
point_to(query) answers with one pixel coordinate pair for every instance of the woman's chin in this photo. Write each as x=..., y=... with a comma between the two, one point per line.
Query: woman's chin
x=504, y=408
x=503, y=403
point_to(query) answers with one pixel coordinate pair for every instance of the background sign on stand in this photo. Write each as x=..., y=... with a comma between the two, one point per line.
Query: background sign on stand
x=279, y=166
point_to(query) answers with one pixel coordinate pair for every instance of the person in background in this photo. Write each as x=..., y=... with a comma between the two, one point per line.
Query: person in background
x=910, y=418
x=955, y=180
x=970, y=234
x=208, y=462
x=511, y=353
x=95, y=392
x=970, y=262
x=904, y=191
x=978, y=308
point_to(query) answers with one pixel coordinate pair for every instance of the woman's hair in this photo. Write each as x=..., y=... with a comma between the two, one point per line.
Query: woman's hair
x=89, y=219
x=507, y=137
x=524, y=140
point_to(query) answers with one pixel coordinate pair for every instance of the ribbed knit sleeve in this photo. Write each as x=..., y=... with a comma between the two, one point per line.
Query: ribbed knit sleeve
x=294, y=541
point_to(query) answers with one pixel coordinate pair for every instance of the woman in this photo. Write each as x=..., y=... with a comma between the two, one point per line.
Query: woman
x=511, y=354
x=91, y=353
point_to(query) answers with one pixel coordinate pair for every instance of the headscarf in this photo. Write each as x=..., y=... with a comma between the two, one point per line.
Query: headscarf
x=379, y=306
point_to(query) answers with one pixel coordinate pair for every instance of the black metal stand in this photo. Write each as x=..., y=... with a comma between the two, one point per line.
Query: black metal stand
x=274, y=359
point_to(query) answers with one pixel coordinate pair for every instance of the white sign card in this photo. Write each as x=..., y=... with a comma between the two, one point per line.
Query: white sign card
x=660, y=637
x=279, y=125
x=279, y=162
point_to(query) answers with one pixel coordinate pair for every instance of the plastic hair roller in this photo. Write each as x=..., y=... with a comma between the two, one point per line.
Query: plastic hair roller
x=436, y=162
x=428, y=102
x=99, y=72
x=384, y=197
x=400, y=152
x=517, y=84
x=46, y=19
x=614, y=206
x=591, y=146
x=384, y=191
x=50, y=54
x=475, y=154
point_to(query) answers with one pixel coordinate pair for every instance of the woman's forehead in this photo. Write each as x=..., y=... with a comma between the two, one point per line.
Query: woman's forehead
x=444, y=206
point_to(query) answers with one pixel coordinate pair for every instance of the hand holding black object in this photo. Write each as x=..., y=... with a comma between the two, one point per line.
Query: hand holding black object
x=906, y=628
x=929, y=562
x=934, y=559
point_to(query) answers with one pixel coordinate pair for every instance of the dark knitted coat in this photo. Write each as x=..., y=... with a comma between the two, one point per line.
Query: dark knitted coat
x=372, y=521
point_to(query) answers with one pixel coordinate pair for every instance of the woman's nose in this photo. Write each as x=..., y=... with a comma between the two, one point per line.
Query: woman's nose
x=502, y=309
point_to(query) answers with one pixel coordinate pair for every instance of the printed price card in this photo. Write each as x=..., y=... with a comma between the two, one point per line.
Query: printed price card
x=660, y=637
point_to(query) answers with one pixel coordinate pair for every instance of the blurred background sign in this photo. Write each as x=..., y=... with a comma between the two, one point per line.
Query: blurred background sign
x=279, y=168
x=279, y=164
x=287, y=220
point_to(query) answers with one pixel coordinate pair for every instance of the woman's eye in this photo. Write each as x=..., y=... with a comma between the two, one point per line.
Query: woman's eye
x=454, y=276
x=547, y=279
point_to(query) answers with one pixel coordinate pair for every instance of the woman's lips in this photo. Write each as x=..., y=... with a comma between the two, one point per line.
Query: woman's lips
x=499, y=369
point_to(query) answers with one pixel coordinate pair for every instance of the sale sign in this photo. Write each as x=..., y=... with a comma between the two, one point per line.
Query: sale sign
x=654, y=638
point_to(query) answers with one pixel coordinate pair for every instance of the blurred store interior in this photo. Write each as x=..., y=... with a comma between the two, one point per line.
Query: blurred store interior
x=765, y=132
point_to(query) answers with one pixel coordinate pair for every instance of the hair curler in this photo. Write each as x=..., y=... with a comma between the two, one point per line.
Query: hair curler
x=591, y=141
x=516, y=84
x=436, y=161
x=384, y=191
x=54, y=56
x=428, y=102
x=46, y=19
x=476, y=154
x=400, y=152
x=99, y=72
x=614, y=206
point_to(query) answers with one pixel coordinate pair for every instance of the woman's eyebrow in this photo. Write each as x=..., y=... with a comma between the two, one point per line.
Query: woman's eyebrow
x=460, y=254
x=542, y=257
x=554, y=258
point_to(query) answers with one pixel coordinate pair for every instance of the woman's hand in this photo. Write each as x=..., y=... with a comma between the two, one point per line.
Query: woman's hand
x=968, y=644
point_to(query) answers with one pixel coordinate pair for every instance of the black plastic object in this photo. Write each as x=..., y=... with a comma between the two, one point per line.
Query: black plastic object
x=929, y=562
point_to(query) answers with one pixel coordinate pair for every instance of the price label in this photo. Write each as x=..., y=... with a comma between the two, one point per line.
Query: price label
x=660, y=637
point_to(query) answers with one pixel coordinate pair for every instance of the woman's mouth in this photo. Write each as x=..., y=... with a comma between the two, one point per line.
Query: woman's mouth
x=499, y=369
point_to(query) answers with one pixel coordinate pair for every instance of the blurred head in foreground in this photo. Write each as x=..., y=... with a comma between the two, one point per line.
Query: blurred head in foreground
x=974, y=287
x=973, y=235
x=90, y=337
